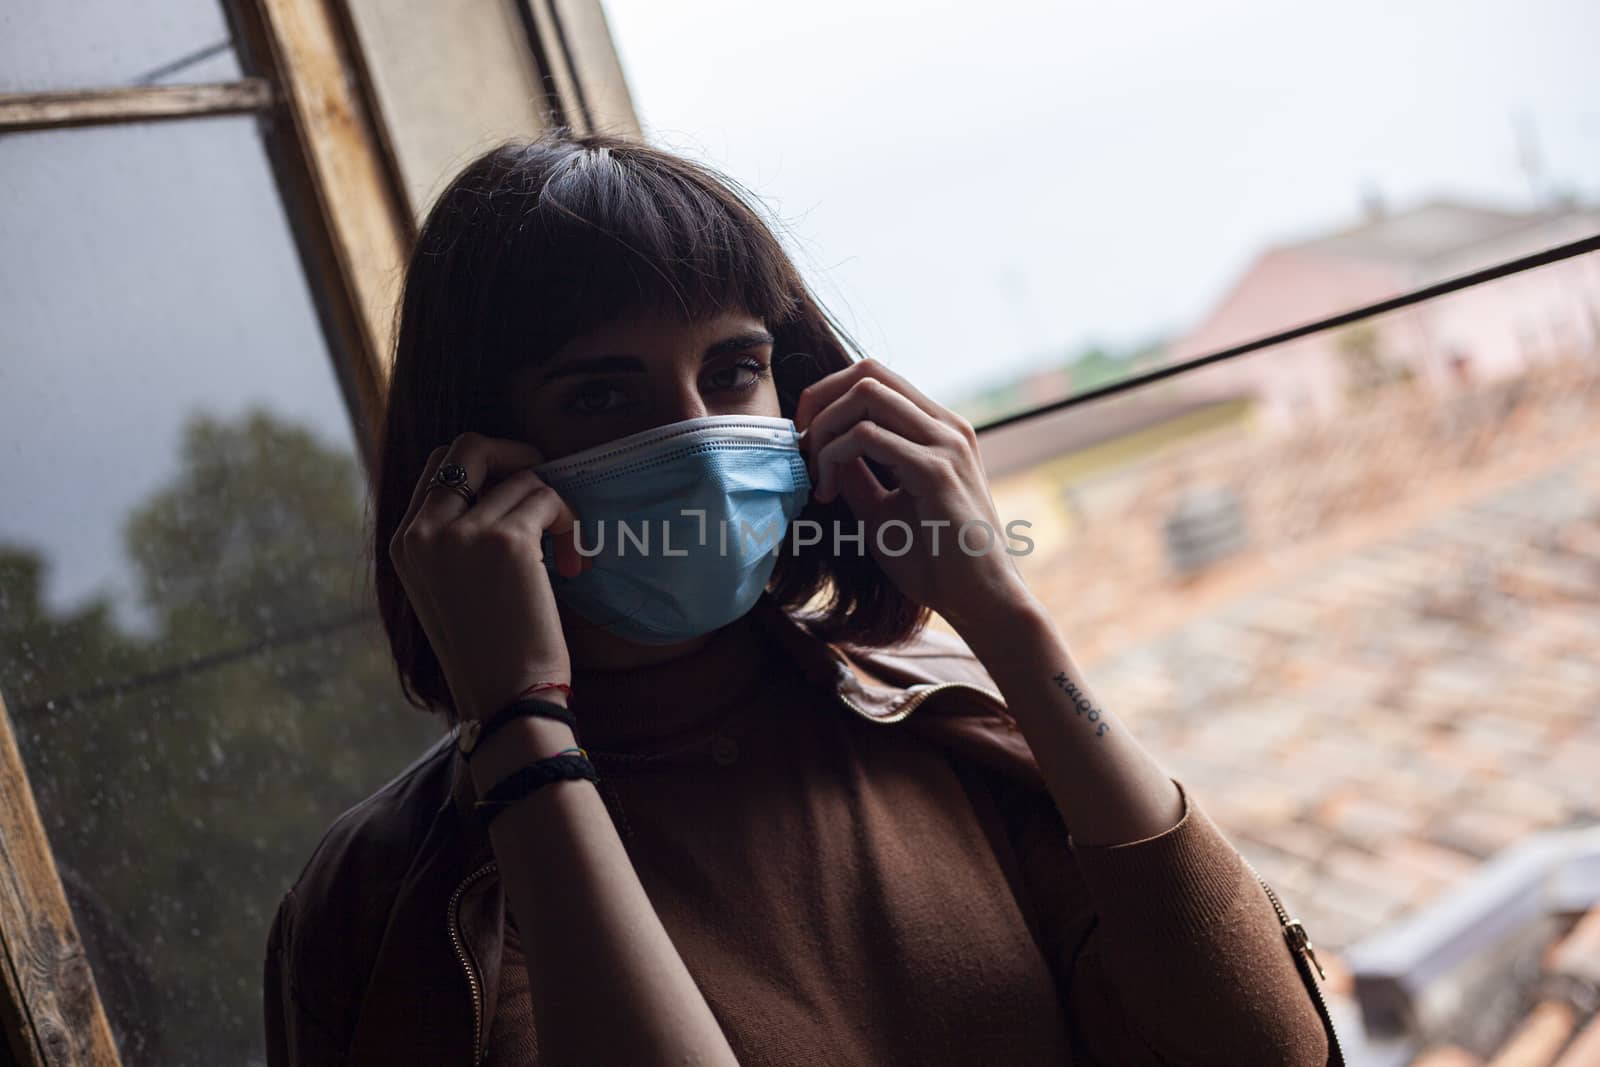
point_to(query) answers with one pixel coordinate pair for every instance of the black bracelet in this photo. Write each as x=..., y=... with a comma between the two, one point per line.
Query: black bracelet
x=526, y=780
x=544, y=709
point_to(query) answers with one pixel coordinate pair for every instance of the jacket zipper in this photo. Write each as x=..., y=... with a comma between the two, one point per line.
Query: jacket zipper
x=1300, y=945
x=1293, y=930
x=473, y=981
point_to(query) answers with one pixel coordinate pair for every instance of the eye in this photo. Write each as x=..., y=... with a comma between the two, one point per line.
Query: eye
x=744, y=374
x=595, y=398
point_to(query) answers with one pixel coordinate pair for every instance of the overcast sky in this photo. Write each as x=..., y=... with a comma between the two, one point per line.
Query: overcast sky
x=978, y=185
x=974, y=188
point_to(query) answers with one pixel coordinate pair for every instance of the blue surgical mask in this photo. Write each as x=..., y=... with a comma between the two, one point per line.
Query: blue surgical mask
x=683, y=522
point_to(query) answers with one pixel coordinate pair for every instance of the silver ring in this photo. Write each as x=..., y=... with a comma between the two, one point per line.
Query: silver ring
x=453, y=476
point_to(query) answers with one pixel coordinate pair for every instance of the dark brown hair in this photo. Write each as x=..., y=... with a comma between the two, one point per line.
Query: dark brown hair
x=536, y=242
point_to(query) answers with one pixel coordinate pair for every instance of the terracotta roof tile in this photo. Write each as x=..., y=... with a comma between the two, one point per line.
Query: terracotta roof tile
x=1540, y=1038
x=1396, y=679
x=1585, y=1048
x=1447, y=1056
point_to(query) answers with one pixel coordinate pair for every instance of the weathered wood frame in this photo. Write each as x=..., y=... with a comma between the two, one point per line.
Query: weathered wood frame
x=49, y=1008
x=88, y=107
x=332, y=150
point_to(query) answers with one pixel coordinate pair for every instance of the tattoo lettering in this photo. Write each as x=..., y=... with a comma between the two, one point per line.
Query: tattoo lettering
x=1081, y=705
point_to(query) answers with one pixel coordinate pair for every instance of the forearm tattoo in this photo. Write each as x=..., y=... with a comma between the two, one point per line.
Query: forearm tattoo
x=1081, y=705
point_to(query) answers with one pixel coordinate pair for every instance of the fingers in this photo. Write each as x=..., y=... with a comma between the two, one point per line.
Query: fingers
x=820, y=394
x=542, y=510
x=418, y=493
x=512, y=500
x=861, y=488
x=495, y=502
x=866, y=391
x=487, y=460
x=417, y=593
x=871, y=400
x=917, y=468
x=442, y=541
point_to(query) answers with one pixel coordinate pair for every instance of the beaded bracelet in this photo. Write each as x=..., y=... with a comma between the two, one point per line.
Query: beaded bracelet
x=521, y=783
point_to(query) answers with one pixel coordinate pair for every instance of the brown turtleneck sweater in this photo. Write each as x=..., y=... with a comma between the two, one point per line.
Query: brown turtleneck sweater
x=844, y=894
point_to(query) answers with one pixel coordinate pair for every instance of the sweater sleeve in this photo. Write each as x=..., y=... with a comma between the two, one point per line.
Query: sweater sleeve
x=1167, y=949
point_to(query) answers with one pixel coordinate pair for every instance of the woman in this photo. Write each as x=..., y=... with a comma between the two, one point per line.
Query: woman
x=814, y=832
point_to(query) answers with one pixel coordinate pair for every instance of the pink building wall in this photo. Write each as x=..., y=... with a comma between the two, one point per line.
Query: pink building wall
x=1485, y=333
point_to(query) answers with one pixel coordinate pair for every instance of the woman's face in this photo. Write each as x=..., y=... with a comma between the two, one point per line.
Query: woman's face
x=644, y=371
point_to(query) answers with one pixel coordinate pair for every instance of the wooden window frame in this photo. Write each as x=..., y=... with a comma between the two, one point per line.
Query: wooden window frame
x=332, y=153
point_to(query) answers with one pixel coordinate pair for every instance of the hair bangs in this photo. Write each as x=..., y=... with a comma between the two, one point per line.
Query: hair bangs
x=607, y=236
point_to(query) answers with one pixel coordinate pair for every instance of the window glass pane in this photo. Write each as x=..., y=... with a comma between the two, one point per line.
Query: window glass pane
x=1349, y=597
x=1014, y=201
x=97, y=43
x=187, y=651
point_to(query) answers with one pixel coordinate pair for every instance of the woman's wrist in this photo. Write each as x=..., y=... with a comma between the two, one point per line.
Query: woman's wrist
x=995, y=631
x=482, y=707
x=518, y=743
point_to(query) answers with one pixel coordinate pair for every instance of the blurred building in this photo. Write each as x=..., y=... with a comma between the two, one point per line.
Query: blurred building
x=1488, y=335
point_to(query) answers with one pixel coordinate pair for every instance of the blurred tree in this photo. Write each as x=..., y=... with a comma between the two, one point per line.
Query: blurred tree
x=1096, y=366
x=186, y=777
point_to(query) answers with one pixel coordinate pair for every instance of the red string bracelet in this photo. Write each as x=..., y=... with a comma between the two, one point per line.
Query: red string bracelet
x=539, y=687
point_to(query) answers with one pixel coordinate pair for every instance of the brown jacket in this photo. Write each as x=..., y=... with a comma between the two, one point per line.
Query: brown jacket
x=388, y=948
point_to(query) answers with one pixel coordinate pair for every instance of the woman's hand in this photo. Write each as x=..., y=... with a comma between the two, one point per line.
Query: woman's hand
x=475, y=575
x=866, y=411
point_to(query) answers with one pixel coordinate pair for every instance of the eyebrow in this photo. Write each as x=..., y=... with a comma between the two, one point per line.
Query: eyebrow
x=739, y=342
